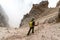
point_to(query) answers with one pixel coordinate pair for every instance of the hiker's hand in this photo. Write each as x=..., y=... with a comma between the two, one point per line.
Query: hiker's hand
x=37, y=24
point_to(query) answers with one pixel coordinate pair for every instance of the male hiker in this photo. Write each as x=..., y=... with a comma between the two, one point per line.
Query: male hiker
x=31, y=24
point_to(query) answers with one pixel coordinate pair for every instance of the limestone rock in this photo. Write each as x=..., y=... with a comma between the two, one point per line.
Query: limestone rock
x=58, y=4
x=35, y=12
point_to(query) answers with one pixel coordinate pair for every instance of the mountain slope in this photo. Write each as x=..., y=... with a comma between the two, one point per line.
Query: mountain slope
x=48, y=28
x=44, y=31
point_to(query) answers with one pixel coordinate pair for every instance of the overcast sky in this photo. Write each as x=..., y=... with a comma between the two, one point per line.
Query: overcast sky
x=15, y=9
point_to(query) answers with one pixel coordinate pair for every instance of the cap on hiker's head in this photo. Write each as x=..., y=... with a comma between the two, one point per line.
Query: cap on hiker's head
x=33, y=19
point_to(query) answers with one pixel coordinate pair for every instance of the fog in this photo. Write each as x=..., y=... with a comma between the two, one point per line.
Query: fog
x=15, y=9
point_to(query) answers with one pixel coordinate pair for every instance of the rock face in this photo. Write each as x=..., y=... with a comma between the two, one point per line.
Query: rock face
x=35, y=12
x=41, y=10
x=3, y=18
x=58, y=4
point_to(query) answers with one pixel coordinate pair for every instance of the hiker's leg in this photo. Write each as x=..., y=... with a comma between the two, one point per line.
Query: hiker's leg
x=29, y=31
x=32, y=29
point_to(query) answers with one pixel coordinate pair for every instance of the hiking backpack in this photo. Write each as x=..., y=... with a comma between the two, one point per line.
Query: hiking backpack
x=30, y=23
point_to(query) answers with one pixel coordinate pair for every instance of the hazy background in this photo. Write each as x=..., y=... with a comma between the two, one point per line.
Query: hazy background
x=15, y=9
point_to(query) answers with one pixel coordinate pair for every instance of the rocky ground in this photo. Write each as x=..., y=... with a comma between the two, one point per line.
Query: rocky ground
x=42, y=32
